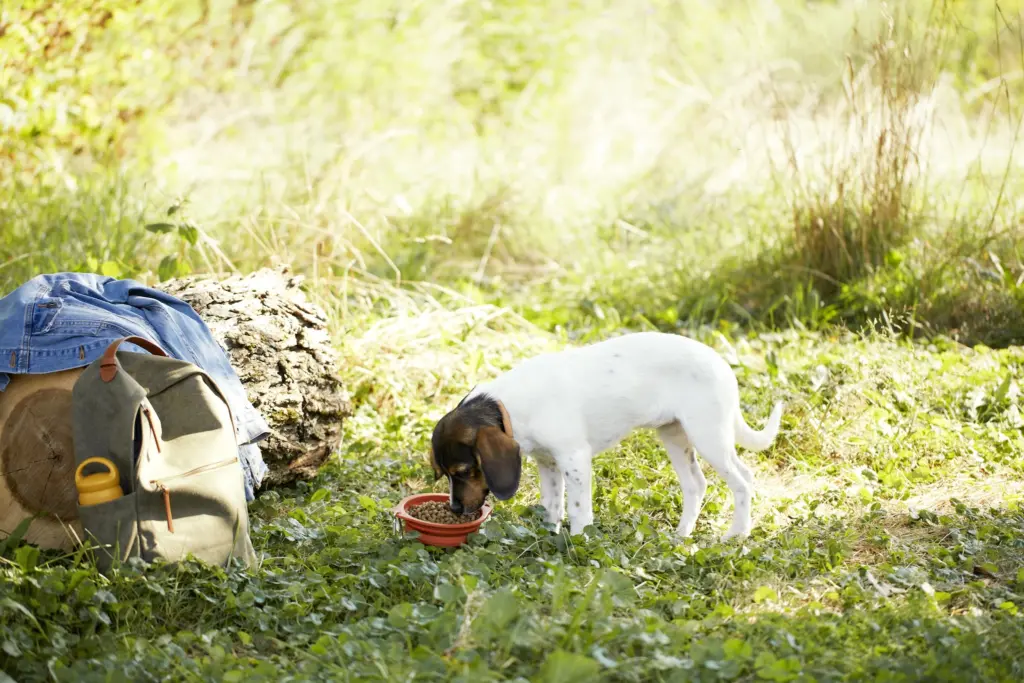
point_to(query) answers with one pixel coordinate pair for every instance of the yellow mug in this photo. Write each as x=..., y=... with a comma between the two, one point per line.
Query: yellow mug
x=101, y=487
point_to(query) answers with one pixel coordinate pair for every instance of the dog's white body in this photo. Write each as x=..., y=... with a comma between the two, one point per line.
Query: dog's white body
x=567, y=407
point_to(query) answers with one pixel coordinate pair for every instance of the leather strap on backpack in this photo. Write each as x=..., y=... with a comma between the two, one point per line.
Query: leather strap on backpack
x=108, y=363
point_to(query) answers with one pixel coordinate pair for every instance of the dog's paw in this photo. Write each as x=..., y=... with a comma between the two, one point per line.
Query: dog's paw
x=683, y=533
x=580, y=532
x=735, y=535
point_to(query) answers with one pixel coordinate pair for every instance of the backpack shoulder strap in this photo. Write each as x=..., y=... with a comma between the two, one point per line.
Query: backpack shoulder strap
x=108, y=363
x=104, y=412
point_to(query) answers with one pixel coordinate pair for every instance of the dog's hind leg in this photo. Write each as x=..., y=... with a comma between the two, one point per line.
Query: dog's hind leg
x=714, y=440
x=745, y=471
x=691, y=478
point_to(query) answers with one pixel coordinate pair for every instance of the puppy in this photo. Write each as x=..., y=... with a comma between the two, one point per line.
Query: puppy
x=564, y=408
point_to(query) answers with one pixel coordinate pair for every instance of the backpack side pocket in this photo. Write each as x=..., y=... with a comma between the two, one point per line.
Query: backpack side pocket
x=113, y=528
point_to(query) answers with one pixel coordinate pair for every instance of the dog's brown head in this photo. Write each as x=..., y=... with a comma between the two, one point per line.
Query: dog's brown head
x=474, y=448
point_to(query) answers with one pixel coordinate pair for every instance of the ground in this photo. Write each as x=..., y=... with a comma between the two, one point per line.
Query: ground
x=888, y=545
x=826, y=193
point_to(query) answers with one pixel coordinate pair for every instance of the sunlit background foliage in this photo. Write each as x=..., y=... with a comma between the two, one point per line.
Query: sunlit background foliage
x=829, y=192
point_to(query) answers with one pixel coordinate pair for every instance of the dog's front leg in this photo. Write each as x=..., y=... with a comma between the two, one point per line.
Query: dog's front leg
x=552, y=492
x=577, y=473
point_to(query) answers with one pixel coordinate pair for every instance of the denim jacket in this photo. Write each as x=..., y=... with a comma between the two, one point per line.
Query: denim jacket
x=64, y=321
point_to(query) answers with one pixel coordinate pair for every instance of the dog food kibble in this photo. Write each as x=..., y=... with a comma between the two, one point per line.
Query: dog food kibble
x=438, y=512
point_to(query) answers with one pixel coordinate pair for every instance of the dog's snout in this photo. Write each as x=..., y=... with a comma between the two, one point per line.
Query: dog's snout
x=456, y=506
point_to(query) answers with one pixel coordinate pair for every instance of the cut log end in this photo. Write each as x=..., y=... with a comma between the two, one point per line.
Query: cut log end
x=37, y=459
x=37, y=454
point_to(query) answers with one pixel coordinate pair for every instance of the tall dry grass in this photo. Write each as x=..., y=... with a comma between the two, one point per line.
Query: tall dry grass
x=690, y=160
x=865, y=191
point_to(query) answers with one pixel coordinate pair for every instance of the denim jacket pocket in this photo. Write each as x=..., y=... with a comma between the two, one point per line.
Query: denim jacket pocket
x=44, y=314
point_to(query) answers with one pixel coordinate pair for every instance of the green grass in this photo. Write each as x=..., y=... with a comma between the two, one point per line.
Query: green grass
x=825, y=192
x=888, y=543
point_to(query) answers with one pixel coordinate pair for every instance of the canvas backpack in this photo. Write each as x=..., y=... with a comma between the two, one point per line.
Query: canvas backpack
x=168, y=430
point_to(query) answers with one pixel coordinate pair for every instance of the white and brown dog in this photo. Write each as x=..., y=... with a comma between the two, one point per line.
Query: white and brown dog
x=564, y=408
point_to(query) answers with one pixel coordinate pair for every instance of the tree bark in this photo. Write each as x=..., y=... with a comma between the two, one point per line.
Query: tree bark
x=280, y=347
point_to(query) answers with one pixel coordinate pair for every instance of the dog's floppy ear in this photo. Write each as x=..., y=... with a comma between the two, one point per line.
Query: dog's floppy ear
x=433, y=464
x=499, y=460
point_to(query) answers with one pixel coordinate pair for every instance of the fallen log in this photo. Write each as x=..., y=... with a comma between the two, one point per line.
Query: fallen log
x=278, y=344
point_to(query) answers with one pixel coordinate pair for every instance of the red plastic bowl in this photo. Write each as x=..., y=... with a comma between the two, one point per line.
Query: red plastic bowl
x=431, y=533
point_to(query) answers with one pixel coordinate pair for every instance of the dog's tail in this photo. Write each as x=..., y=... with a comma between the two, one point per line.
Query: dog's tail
x=758, y=441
